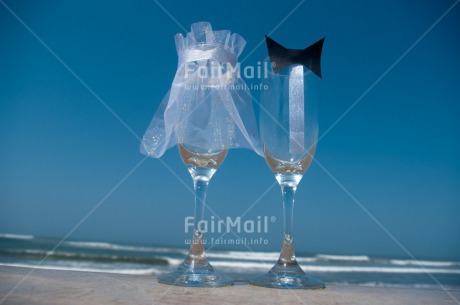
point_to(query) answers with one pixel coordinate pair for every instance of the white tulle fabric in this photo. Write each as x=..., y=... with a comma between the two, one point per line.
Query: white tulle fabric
x=208, y=106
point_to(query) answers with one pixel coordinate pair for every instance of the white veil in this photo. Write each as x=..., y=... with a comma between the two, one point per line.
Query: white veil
x=208, y=106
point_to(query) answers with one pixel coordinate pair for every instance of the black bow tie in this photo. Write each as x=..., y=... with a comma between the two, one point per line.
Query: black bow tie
x=281, y=57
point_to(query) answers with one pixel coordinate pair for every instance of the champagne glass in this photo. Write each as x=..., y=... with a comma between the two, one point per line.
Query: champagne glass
x=289, y=142
x=202, y=149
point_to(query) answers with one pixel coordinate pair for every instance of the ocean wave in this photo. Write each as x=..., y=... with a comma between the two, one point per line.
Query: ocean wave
x=380, y=270
x=354, y=258
x=111, y=246
x=255, y=256
x=339, y=269
x=251, y=261
x=89, y=257
x=241, y=255
x=16, y=236
x=149, y=271
x=273, y=256
x=242, y=265
x=174, y=261
x=423, y=263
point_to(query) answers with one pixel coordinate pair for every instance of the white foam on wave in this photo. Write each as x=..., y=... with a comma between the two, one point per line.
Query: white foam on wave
x=149, y=271
x=306, y=259
x=380, y=270
x=16, y=236
x=104, y=245
x=355, y=258
x=30, y=251
x=255, y=265
x=260, y=256
x=110, y=246
x=254, y=256
x=242, y=265
x=423, y=263
x=173, y=261
x=255, y=261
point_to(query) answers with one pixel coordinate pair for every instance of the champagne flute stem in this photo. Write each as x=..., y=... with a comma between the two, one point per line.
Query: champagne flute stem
x=201, y=177
x=200, y=186
x=287, y=251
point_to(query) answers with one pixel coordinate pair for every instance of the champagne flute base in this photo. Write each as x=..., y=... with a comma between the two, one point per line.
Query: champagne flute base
x=287, y=278
x=203, y=276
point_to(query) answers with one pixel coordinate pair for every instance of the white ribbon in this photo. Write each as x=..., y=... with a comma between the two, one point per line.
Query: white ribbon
x=296, y=110
x=213, y=52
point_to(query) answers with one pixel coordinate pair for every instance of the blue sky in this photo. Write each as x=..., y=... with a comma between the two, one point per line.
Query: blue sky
x=396, y=152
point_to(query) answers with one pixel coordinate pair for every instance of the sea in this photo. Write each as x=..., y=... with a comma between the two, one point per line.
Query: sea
x=90, y=256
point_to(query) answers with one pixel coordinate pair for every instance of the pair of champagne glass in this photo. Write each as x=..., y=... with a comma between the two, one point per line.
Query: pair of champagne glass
x=288, y=166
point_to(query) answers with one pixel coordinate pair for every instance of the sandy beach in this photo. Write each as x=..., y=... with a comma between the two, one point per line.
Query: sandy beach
x=72, y=287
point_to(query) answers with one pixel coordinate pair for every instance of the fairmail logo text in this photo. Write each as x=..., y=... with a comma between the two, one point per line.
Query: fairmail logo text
x=227, y=225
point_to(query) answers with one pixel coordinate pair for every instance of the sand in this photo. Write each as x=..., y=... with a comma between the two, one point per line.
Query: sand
x=75, y=287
